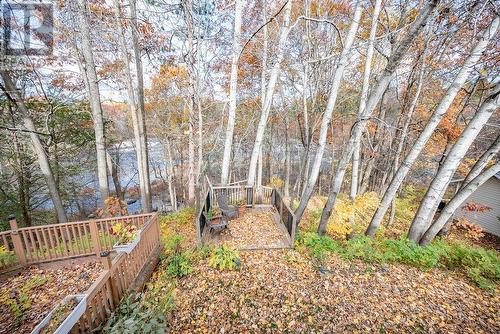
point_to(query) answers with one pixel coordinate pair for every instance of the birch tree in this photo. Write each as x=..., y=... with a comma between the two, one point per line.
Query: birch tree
x=399, y=51
x=263, y=81
x=132, y=108
x=456, y=201
x=442, y=178
x=332, y=99
x=431, y=125
x=12, y=92
x=271, y=84
x=364, y=97
x=233, y=83
x=141, y=111
x=95, y=100
x=186, y=6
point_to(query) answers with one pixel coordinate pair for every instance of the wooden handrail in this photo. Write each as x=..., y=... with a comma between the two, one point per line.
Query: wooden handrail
x=27, y=228
x=118, y=277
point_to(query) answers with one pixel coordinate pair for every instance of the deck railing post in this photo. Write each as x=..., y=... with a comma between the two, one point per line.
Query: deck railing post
x=16, y=240
x=94, y=234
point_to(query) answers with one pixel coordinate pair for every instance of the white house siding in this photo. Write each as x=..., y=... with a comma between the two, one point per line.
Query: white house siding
x=489, y=195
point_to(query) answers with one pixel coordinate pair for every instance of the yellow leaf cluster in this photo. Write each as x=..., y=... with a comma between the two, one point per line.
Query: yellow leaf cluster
x=358, y=211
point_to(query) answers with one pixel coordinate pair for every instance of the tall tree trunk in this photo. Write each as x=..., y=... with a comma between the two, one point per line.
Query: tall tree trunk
x=456, y=201
x=141, y=111
x=443, y=177
x=186, y=6
x=113, y=171
x=170, y=176
x=364, y=97
x=287, y=159
x=263, y=80
x=15, y=96
x=377, y=139
x=261, y=128
x=199, y=165
x=325, y=123
x=404, y=133
x=375, y=96
x=95, y=101
x=132, y=105
x=233, y=83
x=431, y=125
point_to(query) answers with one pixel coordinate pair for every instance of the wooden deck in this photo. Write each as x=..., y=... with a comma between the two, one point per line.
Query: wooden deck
x=256, y=228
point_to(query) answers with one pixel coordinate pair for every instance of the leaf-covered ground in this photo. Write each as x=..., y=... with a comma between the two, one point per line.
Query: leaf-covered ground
x=27, y=297
x=253, y=229
x=283, y=291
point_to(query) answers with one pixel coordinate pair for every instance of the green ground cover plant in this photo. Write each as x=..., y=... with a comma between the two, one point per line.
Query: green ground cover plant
x=480, y=265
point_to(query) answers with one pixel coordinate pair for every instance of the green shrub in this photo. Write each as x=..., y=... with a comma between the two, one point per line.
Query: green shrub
x=317, y=246
x=480, y=265
x=179, y=265
x=202, y=252
x=224, y=258
x=407, y=252
x=361, y=247
x=183, y=217
x=171, y=242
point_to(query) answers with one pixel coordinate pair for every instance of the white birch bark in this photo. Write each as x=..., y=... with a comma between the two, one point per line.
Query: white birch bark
x=233, y=84
x=43, y=160
x=199, y=165
x=95, y=101
x=364, y=97
x=456, y=201
x=286, y=190
x=263, y=80
x=375, y=96
x=141, y=111
x=431, y=125
x=332, y=99
x=186, y=5
x=273, y=78
x=131, y=103
x=437, y=188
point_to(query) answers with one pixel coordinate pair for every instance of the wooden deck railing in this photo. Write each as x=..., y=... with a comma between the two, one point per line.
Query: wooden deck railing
x=286, y=214
x=45, y=243
x=118, y=277
x=250, y=196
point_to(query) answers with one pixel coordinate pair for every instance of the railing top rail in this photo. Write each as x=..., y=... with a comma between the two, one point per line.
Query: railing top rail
x=98, y=284
x=122, y=217
x=83, y=222
x=230, y=187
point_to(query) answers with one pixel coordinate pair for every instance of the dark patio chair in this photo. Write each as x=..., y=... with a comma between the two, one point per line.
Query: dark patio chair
x=215, y=227
x=228, y=211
